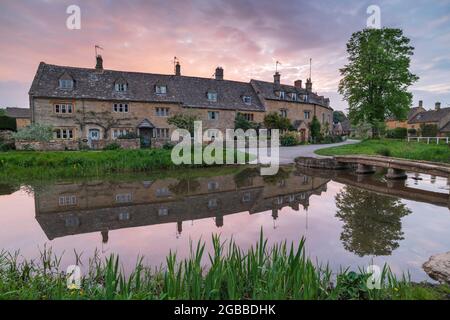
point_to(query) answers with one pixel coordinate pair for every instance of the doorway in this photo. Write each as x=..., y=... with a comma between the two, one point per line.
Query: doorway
x=146, y=137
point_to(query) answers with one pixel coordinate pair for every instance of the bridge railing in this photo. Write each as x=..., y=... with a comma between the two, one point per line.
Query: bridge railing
x=429, y=139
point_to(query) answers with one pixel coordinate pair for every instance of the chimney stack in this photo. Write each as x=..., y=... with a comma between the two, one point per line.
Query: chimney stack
x=308, y=85
x=219, y=73
x=178, y=69
x=276, y=78
x=99, y=65
x=437, y=106
x=298, y=84
x=421, y=103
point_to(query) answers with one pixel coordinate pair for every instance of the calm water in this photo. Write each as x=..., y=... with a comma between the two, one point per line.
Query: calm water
x=347, y=220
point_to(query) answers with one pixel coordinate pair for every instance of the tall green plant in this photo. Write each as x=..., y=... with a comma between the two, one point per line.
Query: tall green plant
x=315, y=129
x=377, y=76
x=183, y=121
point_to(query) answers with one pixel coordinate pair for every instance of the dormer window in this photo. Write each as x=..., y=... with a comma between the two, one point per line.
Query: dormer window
x=294, y=96
x=247, y=99
x=66, y=84
x=282, y=94
x=212, y=96
x=121, y=87
x=160, y=89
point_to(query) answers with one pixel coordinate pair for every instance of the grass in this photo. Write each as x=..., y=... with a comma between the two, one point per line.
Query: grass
x=393, y=148
x=16, y=165
x=278, y=272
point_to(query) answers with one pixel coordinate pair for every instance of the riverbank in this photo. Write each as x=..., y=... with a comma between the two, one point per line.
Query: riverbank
x=17, y=165
x=279, y=272
x=392, y=148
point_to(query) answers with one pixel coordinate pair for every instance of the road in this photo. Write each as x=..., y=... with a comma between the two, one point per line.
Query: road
x=288, y=154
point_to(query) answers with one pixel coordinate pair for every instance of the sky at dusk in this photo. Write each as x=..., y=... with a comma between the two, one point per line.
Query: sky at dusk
x=244, y=37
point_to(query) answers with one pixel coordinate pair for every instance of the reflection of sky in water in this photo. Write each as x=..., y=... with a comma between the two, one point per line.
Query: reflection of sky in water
x=425, y=232
x=427, y=182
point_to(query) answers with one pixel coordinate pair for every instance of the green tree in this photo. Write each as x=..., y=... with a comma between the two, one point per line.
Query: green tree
x=339, y=116
x=274, y=120
x=377, y=76
x=183, y=121
x=241, y=123
x=314, y=128
x=372, y=222
x=2, y=112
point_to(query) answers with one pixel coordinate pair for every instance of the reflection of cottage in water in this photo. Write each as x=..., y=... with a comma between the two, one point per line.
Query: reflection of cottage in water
x=75, y=208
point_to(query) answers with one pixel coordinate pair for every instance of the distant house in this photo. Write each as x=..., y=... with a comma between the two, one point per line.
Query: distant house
x=392, y=122
x=439, y=117
x=22, y=116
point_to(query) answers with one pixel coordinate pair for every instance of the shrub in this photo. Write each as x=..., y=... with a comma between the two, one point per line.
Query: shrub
x=34, y=132
x=274, y=120
x=112, y=146
x=183, y=121
x=241, y=123
x=168, y=145
x=397, y=133
x=428, y=130
x=384, y=152
x=289, y=139
x=315, y=129
x=412, y=132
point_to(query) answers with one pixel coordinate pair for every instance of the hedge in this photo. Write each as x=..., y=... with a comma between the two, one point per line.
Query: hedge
x=7, y=123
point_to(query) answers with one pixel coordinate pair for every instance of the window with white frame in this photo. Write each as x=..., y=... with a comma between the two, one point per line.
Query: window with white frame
x=294, y=96
x=63, y=108
x=121, y=87
x=213, y=185
x=283, y=113
x=212, y=203
x=117, y=133
x=160, y=89
x=162, y=112
x=124, y=216
x=63, y=133
x=161, y=133
x=120, y=107
x=307, y=115
x=282, y=94
x=163, y=211
x=247, y=99
x=124, y=198
x=67, y=200
x=72, y=221
x=162, y=192
x=66, y=84
x=246, y=197
x=213, y=115
x=212, y=96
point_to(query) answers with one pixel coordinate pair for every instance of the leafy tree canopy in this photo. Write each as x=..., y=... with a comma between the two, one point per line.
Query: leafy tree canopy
x=183, y=121
x=274, y=120
x=338, y=116
x=377, y=76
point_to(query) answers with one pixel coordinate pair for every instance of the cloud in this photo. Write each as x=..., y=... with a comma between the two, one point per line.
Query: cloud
x=246, y=37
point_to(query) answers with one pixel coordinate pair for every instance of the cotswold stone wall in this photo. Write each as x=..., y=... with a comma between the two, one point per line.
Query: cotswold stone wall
x=131, y=144
x=53, y=145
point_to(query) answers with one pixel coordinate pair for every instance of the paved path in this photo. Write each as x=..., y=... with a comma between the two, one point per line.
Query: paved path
x=288, y=154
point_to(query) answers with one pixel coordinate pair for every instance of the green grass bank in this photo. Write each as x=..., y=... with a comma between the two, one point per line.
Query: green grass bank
x=278, y=272
x=393, y=148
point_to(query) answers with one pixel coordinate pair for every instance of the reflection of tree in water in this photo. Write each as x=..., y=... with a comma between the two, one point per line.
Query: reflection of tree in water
x=372, y=222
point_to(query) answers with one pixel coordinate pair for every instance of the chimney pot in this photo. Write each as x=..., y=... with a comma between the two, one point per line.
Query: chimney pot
x=298, y=84
x=276, y=78
x=437, y=105
x=99, y=64
x=178, y=69
x=219, y=73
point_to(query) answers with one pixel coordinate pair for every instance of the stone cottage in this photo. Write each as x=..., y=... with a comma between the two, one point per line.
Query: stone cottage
x=95, y=104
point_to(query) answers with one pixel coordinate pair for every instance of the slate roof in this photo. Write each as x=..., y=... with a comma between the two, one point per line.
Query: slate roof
x=18, y=112
x=268, y=89
x=430, y=116
x=445, y=128
x=99, y=85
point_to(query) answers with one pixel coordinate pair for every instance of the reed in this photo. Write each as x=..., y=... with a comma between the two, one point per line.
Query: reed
x=279, y=272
